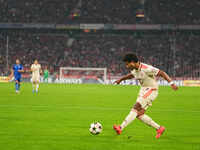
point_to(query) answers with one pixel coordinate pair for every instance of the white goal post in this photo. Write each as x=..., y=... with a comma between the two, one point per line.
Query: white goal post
x=99, y=73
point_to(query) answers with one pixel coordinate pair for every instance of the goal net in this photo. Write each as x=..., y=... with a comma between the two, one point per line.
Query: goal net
x=83, y=75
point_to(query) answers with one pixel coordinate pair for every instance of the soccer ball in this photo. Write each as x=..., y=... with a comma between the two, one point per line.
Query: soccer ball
x=95, y=128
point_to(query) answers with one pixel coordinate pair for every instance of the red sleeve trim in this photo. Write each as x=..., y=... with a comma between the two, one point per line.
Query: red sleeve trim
x=144, y=66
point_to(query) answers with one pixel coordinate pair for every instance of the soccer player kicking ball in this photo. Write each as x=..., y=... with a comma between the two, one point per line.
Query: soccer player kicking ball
x=36, y=70
x=145, y=74
x=16, y=72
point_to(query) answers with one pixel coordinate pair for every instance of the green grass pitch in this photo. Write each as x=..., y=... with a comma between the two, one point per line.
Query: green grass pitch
x=58, y=118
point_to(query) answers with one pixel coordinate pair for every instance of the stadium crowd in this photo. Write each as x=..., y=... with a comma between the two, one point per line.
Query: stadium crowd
x=177, y=54
x=99, y=11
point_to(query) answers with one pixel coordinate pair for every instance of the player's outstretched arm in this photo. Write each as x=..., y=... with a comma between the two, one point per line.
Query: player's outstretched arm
x=165, y=76
x=129, y=76
x=21, y=70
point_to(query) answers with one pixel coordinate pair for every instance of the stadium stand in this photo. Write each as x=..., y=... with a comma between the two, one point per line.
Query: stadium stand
x=99, y=11
x=105, y=50
x=169, y=51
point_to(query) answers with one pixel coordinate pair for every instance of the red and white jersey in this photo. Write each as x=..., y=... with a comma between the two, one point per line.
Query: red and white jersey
x=145, y=74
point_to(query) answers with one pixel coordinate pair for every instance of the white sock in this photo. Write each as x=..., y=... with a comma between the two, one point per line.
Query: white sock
x=37, y=87
x=131, y=116
x=147, y=120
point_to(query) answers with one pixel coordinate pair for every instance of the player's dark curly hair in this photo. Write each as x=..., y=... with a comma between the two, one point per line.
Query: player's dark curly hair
x=130, y=58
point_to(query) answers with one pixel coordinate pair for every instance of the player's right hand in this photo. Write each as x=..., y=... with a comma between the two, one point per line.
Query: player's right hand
x=174, y=87
x=10, y=79
x=117, y=81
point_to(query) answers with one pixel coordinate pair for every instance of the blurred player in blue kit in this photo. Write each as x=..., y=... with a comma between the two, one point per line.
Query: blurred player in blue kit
x=16, y=72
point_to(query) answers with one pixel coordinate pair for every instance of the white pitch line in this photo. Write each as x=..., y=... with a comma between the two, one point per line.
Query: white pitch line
x=89, y=108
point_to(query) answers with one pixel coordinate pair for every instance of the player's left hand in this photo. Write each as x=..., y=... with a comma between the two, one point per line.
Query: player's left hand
x=117, y=81
x=174, y=87
x=10, y=79
x=28, y=71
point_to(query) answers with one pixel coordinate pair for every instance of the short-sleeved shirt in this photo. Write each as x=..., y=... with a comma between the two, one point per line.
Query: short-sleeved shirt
x=16, y=69
x=46, y=73
x=145, y=74
x=36, y=68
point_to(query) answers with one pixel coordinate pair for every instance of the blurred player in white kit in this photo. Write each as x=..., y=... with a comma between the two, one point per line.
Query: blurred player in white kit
x=36, y=71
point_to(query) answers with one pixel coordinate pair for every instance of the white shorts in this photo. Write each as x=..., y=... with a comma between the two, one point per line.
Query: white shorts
x=146, y=96
x=35, y=79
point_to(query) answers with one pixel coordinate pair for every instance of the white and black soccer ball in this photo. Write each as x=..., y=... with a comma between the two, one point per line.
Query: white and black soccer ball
x=95, y=128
